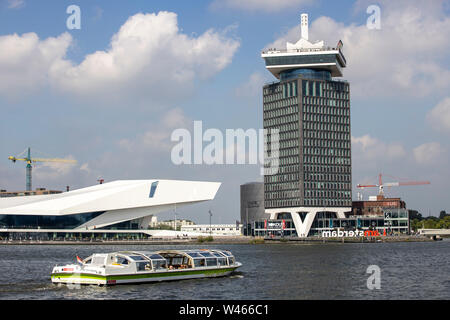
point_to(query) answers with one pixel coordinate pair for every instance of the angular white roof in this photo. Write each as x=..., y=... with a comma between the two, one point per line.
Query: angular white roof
x=111, y=196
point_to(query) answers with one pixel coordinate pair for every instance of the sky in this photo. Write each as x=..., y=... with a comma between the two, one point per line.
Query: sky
x=110, y=92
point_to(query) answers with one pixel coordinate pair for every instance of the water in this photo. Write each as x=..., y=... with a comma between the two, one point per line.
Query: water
x=419, y=270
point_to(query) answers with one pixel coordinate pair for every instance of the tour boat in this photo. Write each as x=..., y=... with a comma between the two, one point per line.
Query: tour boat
x=143, y=266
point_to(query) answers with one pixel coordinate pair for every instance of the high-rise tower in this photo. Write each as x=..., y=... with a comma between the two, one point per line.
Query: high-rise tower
x=311, y=110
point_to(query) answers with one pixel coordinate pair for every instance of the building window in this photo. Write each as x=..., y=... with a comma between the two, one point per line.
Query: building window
x=153, y=189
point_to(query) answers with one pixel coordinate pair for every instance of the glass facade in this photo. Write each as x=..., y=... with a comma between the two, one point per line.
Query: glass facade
x=71, y=221
x=394, y=221
x=313, y=119
x=301, y=59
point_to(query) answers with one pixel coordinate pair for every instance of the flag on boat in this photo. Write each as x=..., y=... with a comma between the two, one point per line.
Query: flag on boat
x=79, y=260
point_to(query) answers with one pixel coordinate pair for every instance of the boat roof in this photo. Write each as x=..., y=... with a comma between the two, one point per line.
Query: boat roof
x=158, y=255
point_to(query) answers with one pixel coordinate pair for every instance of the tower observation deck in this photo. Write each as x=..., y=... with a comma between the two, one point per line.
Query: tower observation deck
x=325, y=62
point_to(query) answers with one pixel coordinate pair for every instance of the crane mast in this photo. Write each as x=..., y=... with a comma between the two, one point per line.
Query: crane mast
x=29, y=162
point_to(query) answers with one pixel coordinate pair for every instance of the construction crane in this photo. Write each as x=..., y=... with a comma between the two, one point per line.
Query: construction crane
x=381, y=185
x=30, y=160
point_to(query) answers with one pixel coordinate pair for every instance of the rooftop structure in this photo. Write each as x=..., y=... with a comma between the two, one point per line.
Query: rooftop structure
x=123, y=204
x=305, y=54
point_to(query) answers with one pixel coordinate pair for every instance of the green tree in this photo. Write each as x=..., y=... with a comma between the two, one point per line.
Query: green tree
x=443, y=214
x=443, y=223
x=430, y=222
x=416, y=224
x=414, y=214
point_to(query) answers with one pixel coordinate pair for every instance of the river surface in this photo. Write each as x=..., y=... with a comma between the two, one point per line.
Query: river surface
x=408, y=270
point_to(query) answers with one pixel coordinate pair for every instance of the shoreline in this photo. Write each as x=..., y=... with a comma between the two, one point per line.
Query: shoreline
x=223, y=240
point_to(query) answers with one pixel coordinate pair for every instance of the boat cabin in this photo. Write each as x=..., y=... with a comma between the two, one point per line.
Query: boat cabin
x=164, y=260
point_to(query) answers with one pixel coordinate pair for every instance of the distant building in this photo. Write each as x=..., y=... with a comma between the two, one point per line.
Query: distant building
x=38, y=191
x=170, y=224
x=215, y=229
x=252, y=205
x=376, y=205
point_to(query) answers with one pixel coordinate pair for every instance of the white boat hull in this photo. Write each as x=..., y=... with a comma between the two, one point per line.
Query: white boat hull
x=82, y=277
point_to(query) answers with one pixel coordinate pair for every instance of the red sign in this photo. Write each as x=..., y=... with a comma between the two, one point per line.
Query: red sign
x=283, y=224
x=67, y=269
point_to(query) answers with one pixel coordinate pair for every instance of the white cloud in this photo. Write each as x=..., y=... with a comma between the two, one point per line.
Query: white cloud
x=25, y=61
x=148, y=58
x=260, y=5
x=429, y=153
x=367, y=148
x=407, y=55
x=439, y=116
x=252, y=87
x=157, y=138
x=44, y=171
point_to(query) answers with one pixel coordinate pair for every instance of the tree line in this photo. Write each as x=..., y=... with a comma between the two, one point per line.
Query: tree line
x=417, y=221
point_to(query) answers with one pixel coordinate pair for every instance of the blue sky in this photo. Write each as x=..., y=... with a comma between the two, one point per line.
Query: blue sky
x=109, y=97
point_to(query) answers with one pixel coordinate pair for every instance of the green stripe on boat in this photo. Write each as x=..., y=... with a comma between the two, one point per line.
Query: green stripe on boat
x=141, y=276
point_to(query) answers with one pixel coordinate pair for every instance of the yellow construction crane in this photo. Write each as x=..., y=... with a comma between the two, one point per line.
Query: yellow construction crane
x=30, y=160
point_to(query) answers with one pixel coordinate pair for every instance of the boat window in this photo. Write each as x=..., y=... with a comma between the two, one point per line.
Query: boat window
x=228, y=254
x=177, y=260
x=138, y=258
x=121, y=260
x=159, y=264
x=143, y=266
x=211, y=262
x=230, y=260
x=156, y=256
x=217, y=254
x=206, y=254
x=222, y=261
x=194, y=254
x=199, y=262
x=98, y=259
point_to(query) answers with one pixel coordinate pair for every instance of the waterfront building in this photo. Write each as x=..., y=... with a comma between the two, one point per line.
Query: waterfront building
x=393, y=221
x=379, y=213
x=170, y=224
x=252, y=205
x=107, y=209
x=214, y=229
x=376, y=205
x=311, y=109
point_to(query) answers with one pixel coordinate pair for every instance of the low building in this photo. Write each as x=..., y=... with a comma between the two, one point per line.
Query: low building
x=38, y=191
x=385, y=215
x=376, y=205
x=215, y=229
x=170, y=224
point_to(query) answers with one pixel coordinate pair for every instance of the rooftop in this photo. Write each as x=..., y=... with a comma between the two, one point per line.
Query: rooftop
x=305, y=55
